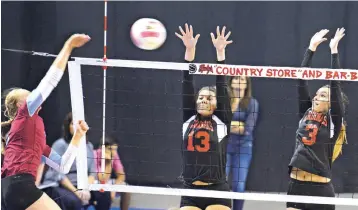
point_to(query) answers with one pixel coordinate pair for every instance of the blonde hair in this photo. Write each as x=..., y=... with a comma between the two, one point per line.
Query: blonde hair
x=342, y=139
x=10, y=103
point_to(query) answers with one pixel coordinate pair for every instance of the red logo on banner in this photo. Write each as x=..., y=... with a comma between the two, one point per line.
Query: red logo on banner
x=206, y=68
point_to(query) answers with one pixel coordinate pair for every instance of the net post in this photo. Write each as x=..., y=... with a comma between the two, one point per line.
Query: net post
x=76, y=90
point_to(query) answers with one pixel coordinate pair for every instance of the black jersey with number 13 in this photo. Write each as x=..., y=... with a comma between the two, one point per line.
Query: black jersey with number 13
x=205, y=138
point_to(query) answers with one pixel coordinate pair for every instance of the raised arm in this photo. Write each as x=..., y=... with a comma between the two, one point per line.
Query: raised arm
x=188, y=100
x=63, y=163
x=304, y=98
x=54, y=74
x=223, y=110
x=337, y=106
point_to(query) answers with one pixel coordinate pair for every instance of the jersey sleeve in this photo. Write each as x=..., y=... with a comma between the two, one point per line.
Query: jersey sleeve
x=337, y=106
x=304, y=99
x=60, y=163
x=223, y=110
x=43, y=90
x=253, y=113
x=47, y=151
x=188, y=96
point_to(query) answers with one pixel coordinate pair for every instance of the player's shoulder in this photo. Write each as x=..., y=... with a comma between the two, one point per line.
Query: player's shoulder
x=216, y=119
x=190, y=119
x=22, y=111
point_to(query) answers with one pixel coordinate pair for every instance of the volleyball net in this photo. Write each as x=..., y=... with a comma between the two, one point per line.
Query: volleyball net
x=147, y=118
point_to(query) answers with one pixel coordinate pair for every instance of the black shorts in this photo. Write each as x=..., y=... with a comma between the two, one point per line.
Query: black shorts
x=310, y=189
x=202, y=202
x=18, y=192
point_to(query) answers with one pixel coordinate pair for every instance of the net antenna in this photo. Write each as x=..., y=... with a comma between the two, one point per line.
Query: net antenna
x=103, y=160
x=207, y=69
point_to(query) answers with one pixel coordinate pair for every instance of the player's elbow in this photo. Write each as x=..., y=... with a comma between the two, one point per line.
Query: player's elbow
x=65, y=167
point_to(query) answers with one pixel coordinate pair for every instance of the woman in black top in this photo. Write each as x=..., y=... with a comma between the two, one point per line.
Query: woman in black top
x=320, y=134
x=206, y=128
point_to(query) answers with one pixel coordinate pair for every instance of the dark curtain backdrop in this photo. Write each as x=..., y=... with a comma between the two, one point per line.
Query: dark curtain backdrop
x=143, y=106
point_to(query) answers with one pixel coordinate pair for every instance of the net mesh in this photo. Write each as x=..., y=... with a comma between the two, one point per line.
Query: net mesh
x=146, y=123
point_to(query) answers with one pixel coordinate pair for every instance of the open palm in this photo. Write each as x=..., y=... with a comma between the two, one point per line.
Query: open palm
x=187, y=36
x=337, y=37
x=78, y=40
x=220, y=42
x=318, y=38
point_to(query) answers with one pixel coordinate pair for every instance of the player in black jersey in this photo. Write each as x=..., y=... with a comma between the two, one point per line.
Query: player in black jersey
x=320, y=134
x=206, y=128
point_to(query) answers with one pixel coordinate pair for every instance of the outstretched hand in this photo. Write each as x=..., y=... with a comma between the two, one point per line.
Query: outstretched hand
x=337, y=37
x=78, y=40
x=187, y=36
x=220, y=42
x=317, y=39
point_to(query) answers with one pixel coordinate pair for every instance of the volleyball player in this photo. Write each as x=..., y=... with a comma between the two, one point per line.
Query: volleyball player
x=320, y=133
x=205, y=131
x=26, y=140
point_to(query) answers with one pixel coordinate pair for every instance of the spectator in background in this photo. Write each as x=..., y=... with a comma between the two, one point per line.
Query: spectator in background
x=113, y=166
x=239, y=150
x=66, y=185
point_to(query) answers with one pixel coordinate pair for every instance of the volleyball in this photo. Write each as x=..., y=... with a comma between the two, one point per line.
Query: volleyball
x=148, y=34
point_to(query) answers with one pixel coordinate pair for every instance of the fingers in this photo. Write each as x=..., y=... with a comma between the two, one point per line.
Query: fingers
x=186, y=28
x=323, y=32
x=197, y=37
x=337, y=31
x=191, y=30
x=223, y=31
x=212, y=36
x=222, y=34
x=340, y=32
x=82, y=126
x=178, y=35
x=229, y=42
x=188, y=31
x=181, y=30
x=227, y=35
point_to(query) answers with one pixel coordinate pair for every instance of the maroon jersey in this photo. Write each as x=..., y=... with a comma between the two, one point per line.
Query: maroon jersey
x=26, y=143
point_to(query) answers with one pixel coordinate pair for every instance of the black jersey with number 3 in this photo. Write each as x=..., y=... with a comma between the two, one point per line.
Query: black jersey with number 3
x=317, y=132
x=205, y=138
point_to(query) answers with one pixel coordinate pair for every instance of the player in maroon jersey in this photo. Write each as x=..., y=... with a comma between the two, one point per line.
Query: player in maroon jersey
x=320, y=134
x=26, y=141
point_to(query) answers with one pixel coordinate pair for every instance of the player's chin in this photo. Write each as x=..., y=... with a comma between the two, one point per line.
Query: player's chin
x=318, y=108
x=205, y=112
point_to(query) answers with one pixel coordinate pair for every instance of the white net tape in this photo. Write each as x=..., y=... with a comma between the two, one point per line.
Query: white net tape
x=207, y=69
x=232, y=70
